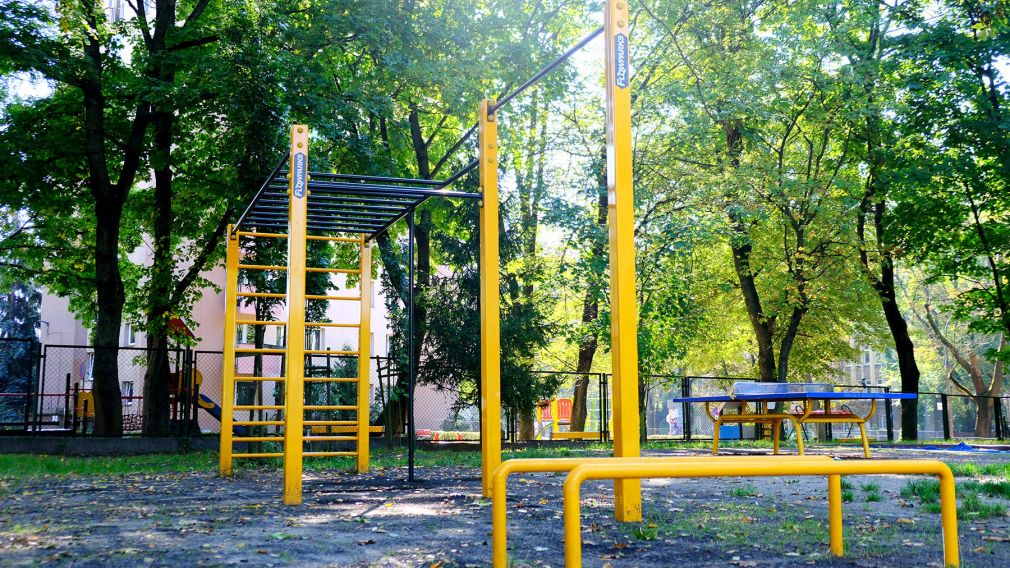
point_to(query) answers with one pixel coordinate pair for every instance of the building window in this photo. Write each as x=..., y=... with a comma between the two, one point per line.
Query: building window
x=117, y=10
x=129, y=335
x=279, y=335
x=126, y=389
x=88, y=371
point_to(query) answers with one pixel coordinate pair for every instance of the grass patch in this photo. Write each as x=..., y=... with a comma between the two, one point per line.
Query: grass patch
x=925, y=490
x=988, y=488
x=27, y=466
x=743, y=491
x=846, y=485
x=871, y=492
x=847, y=496
x=973, y=507
x=970, y=469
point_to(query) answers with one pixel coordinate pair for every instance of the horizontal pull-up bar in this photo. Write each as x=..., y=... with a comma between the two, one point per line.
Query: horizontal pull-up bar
x=540, y=74
x=385, y=179
x=337, y=188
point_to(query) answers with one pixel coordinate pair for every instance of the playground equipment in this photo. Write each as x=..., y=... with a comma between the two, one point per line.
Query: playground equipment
x=499, y=511
x=764, y=394
x=554, y=415
x=797, y=466
x=306, y=205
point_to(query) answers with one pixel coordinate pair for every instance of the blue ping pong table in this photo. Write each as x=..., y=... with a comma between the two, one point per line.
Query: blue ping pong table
x=798, y=414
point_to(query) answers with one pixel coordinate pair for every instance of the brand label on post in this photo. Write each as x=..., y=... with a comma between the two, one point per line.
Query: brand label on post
x=621, y=61
x=299, y=173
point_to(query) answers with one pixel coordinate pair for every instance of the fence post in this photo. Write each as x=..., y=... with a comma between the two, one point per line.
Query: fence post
x=685, y=391
x=944, y=409
x=73, y=420
x=604, y=404
x=66, y=403
x=998, y=416
x=38, y=367
x=889, y=416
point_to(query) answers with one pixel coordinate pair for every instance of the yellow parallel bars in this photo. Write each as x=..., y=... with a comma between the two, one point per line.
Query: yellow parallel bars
x=499, y=511
x=797, y=466
x=623, y=308
x=364, y=350
x=490, y=325
x=294, y=388
x=228, y=372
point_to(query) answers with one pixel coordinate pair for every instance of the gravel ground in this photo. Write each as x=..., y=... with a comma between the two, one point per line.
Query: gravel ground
x=197, y=519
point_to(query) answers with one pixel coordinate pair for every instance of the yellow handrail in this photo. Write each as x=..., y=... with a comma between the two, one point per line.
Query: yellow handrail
x=638, y=469
x=536, y=465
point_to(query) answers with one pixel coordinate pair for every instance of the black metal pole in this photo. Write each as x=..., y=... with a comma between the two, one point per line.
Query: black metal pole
x=66, y=404
x=944, y=410
x=998, y=416
x=540, y=74
x=410, y=346
x=889, y=416
x=685, y=387
x=40, y=401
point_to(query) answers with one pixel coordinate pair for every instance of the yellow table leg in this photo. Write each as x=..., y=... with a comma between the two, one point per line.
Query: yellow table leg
x=776, y=434
x=715, y=436
x=866, y=443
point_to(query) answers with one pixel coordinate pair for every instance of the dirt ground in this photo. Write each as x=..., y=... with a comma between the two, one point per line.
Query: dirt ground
x=441, y=520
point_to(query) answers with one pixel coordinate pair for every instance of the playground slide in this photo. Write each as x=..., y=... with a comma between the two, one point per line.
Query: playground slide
x=214, y=410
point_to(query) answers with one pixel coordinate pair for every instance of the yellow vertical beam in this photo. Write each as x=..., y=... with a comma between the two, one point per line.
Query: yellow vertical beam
x=490, y=324
x=364, y=350
x=294, y=386
x=228, y=371
x=623, y=309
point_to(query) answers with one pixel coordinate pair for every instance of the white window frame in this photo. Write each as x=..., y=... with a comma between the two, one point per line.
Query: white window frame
x=126, y=391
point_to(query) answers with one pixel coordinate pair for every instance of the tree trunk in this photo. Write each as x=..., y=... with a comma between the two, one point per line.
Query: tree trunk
x=527, y=426
x=157, y=377
x=907, y=366
x=752, y=300
x=111, y=296
x=741, y=246
x=983, y=416
x=590, y=311
x=874, y=199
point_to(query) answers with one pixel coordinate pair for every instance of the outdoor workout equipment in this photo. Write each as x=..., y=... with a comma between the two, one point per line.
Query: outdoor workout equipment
x=756, y=467
x=761, y=395
x=308, y=205
x=499, y=511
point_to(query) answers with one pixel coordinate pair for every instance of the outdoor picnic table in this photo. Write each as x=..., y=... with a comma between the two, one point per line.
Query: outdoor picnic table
x=761, y=395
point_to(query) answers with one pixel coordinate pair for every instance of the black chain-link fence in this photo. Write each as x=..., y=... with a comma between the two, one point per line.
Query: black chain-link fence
x=19, y=371
x=46, y=389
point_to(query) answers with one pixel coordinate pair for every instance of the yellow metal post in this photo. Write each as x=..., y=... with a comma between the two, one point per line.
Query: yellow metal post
x=623, y=309
x=228, y=371
x=364, y=350
x=490, y=324
x=837, y=544
x=294, y=389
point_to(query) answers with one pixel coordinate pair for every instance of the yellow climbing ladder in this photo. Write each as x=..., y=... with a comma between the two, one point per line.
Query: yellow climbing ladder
x=290, y=423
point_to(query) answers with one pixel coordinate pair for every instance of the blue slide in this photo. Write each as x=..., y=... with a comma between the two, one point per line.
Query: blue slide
x=214, y=410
